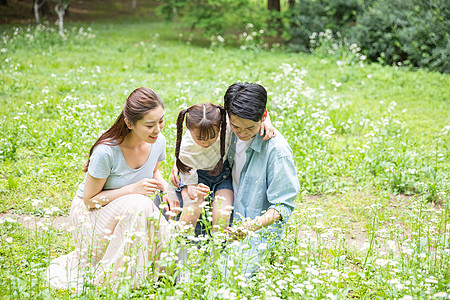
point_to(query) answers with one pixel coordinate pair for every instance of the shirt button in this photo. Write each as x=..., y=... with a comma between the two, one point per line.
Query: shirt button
x=224, y=176
x=230, y=156
x=227, y=169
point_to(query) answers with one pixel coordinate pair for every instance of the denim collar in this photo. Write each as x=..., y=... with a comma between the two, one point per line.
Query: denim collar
x=257, y=142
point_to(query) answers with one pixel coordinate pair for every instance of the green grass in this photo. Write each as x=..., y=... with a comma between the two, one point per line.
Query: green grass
x=371, y=142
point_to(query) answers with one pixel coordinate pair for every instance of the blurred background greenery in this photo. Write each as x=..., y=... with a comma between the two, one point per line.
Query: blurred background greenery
x=411, y=33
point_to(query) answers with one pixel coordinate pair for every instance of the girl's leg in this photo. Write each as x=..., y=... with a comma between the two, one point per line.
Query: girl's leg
x=221, y=207
x=191, y=209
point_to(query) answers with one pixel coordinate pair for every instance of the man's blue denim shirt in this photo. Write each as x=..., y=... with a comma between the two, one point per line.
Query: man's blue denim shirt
x=268, y=180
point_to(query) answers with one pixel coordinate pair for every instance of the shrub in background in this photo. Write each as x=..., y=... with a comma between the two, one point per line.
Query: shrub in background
x=216, y=17
x=410, y=32
x=309, y=16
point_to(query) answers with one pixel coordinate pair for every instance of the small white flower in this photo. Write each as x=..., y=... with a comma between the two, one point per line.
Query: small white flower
x=331, y=296
x=431, y=280
x=110, y=237
x=262, y=246
x=381, y=262
x=171, y=214
x=440, y=295
x=296, y=271
x=407, y=251
x=9, y=240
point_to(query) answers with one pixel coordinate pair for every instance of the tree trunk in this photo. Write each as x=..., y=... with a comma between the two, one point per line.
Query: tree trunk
x=291, y=4
x=60, y=11
x=36, y=12
x=40, y=8
x=274, y=5
x=133, y=4
x=4, y=2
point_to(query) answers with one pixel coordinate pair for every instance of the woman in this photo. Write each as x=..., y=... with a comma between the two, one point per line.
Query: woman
x=119, y=232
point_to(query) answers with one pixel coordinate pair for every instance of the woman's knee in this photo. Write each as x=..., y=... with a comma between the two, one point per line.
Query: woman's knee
x=137, y=202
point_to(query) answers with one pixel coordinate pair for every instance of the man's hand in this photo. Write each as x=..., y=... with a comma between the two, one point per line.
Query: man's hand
x=240, y=232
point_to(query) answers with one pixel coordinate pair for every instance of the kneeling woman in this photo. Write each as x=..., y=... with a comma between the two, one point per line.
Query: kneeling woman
x=118, y=230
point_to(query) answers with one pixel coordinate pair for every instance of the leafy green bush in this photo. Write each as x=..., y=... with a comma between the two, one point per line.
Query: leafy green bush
x=216, y=17
x=311, y=16
x=410, y=32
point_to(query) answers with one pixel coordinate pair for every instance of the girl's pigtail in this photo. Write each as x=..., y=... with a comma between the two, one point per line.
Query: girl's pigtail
x=181, y=167
x=223, y=131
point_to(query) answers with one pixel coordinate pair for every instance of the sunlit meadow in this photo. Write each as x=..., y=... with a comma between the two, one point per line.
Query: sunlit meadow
x=371, y=147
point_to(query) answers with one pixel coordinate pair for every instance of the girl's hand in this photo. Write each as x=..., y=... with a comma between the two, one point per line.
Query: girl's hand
x=174, y=176
x=174, y=205
x=267, y=130
x=198, y=191
x=147, y=186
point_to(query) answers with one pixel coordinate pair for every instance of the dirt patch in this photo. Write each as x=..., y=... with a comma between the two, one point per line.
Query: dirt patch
x=37, y=223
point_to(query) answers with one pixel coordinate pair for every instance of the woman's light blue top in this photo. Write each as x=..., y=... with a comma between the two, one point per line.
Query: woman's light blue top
x=107, y=161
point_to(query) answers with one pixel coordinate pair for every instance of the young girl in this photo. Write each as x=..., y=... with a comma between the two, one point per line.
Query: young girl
x=111, y=212
x=200, y=159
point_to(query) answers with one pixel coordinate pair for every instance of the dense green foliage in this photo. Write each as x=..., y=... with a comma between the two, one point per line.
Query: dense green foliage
x=317, y=16
x=411, y=32
x=216, y=17
x=363, y=136
x=403, y=32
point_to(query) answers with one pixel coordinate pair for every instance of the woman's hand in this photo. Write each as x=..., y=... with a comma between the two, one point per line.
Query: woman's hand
x=267, y=130
x=197, y=191
x=174, y=176
x=147, y=186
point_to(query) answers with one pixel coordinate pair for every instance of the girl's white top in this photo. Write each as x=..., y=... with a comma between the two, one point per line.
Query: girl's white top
x=199, y=158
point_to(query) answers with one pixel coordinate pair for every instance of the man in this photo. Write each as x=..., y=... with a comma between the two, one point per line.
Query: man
x=265, y=181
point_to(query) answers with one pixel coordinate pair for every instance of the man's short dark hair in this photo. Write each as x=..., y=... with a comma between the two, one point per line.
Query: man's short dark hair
x=246, y=100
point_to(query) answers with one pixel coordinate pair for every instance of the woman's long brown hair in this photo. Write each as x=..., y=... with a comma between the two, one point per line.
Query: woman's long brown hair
x=204, y=118
x=138, y=103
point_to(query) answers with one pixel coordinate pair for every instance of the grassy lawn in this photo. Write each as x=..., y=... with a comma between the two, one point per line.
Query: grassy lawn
x=371, y=146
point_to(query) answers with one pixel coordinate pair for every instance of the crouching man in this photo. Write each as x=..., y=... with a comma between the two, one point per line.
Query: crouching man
x=265, y=181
